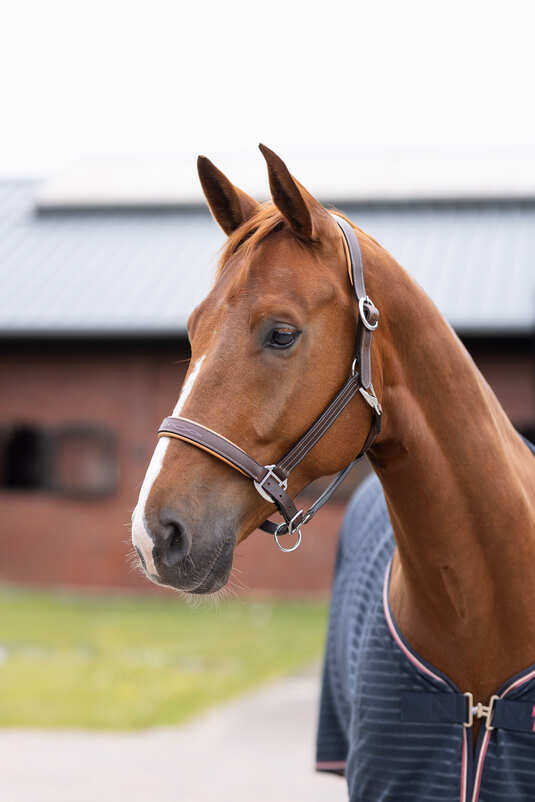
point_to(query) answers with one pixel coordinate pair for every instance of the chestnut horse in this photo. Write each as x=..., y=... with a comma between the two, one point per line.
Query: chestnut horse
x=272, y=344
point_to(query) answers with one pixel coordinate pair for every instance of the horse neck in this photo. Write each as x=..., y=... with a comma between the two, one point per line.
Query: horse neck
x=459, y=485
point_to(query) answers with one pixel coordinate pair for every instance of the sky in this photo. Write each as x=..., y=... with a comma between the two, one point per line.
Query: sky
x=123, y=80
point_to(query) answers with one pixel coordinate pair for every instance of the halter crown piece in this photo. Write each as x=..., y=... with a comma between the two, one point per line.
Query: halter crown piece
x=271, y=481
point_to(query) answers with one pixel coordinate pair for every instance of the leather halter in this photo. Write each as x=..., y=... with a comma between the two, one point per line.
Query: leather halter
x=271, y=481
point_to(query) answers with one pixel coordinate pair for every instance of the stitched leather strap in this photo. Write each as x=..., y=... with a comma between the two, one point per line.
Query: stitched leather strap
x=320, y=426
x=205, y=438
x=271, y=480
x=375, y=428
x=370, y=314
x=201, y=436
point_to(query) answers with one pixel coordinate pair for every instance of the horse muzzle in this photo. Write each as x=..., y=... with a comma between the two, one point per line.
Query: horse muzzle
x=172, y=556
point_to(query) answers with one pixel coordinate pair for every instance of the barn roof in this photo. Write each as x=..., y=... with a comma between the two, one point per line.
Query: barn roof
x=135, y=271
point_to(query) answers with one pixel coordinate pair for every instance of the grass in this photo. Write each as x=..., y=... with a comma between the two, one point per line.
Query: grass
x=129, y=663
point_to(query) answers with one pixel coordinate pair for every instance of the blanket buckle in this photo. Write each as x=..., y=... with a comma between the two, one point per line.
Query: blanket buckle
x=486, y=711
x=480, y=711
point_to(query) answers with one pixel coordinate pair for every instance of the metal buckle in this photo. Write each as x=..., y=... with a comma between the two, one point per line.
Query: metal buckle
x=480, y=711
x=470, y=700
x=290, y=532
x=367, y=300
x=486, y=711
x=260, y=485
x=371, y=399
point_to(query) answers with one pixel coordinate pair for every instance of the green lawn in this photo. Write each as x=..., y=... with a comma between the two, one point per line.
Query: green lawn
x=126, y=663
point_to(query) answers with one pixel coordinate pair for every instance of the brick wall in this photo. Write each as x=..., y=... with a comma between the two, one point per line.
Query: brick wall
x=130, y=387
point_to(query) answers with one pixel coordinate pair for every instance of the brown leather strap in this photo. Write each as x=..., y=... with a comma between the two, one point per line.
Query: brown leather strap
x=205, y=438
x=368, y=312
x=364, y=340
x=283, y=529
x=320, y=426
x=271, y=479
x=355, y=256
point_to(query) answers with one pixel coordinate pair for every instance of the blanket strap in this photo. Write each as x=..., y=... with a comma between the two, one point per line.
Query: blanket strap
x=454, y=708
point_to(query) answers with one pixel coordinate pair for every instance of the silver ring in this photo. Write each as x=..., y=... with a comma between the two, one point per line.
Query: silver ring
x=290, y=531
x=362, y=301
x=295, y=545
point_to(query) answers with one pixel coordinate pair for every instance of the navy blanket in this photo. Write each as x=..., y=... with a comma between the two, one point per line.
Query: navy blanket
x=378, y=722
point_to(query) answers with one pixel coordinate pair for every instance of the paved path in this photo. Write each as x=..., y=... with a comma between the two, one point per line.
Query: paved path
x=257, y=749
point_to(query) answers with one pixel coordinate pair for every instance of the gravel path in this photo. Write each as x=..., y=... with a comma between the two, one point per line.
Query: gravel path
x=259, y=748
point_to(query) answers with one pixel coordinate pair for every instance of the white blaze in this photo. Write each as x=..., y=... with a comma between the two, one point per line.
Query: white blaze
x=188, y=385
x=140, y=536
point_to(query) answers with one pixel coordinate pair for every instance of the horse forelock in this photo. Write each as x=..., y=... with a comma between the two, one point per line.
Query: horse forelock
x=246, y=238
x=265, y=221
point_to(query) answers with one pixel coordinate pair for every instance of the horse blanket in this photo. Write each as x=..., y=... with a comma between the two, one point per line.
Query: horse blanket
x=389, y=720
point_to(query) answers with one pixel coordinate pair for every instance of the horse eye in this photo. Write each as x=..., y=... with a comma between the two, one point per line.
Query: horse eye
x=282, y=337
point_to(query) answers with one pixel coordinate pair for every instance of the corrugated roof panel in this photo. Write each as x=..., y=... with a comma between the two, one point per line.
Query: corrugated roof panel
x=101, y=272
x=476, y=262
x=143, y=272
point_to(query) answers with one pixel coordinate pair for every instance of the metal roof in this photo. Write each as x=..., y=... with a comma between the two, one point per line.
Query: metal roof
x=141, y=272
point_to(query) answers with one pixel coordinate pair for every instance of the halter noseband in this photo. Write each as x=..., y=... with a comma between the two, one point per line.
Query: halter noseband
x=271, y=481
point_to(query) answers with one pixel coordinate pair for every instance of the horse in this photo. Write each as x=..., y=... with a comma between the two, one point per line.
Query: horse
x=429, y=688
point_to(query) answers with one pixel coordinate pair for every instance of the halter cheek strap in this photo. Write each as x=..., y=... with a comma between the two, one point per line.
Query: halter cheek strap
x=271, y=481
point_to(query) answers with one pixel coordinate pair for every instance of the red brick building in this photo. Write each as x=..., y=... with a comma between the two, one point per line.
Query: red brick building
x=92, y=321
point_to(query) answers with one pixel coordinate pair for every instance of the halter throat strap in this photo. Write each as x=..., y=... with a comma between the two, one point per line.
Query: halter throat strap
x=271, y=481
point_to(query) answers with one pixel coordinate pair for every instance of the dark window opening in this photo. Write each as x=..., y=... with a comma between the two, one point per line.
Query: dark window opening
x=26, y=457
x=74, y=460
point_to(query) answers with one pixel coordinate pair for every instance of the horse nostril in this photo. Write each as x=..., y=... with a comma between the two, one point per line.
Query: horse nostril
x=175, y=543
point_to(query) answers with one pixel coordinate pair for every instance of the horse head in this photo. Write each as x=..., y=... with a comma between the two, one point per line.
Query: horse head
x=271, y=345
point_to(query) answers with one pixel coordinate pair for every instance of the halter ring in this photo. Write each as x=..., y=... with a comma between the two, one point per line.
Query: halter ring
x=290, y=532
x=367, y=300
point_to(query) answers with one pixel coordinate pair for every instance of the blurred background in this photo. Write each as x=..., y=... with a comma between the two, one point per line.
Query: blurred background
x=416, y=120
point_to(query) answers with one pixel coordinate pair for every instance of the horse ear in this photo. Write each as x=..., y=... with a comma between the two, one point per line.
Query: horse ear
x=229, y=205
x=302, y=211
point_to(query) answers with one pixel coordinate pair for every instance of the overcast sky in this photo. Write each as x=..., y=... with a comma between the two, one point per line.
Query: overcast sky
x=123, y=79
